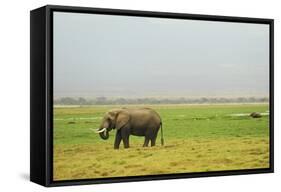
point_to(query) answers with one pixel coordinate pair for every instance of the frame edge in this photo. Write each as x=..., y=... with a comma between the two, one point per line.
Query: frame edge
x=37, y=96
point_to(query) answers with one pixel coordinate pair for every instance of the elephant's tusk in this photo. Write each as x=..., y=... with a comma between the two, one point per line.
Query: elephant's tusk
x=99, y=131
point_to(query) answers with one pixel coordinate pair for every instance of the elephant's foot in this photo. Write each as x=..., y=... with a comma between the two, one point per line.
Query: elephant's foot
x=146, y=141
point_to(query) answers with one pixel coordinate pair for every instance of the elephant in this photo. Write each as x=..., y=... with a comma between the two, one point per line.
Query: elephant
x=255, y=115
x=127, y=121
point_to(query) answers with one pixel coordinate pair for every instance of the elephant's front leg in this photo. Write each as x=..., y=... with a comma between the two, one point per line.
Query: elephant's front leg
x=117, y=139
x=125, y=133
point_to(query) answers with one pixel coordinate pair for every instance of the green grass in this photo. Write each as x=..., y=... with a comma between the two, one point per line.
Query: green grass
x=197, y=138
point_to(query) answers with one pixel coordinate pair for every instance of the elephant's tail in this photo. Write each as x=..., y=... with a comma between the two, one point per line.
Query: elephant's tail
x=162, y=136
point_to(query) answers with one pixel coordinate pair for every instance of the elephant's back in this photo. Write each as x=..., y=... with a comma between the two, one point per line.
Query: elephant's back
x=145, y=113
x=145, y=118
x=144, y=121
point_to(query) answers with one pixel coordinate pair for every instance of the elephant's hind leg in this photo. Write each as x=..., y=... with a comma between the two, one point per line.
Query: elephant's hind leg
x=153, y=141
x=146, y=141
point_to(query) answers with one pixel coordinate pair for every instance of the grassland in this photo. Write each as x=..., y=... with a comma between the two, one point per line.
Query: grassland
x=197, y=138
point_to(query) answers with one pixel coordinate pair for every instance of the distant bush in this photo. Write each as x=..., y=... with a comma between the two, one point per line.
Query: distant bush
x=180, y=100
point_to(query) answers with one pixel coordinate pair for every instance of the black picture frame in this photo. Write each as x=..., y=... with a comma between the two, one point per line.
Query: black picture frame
x=41, y=94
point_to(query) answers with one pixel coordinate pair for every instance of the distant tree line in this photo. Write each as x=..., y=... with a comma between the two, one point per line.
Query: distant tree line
x=180, y=100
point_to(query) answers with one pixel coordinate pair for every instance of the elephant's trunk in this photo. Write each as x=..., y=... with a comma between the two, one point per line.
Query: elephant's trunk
x=104, y=135
x=103, y=132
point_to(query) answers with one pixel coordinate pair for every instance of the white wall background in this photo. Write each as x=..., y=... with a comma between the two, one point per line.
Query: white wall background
x=14, y=97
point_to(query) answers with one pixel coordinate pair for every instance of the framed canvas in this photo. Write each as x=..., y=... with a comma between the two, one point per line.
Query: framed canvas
x=125, y=95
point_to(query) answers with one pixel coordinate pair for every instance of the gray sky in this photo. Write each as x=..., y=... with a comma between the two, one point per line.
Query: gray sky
x=121, y=56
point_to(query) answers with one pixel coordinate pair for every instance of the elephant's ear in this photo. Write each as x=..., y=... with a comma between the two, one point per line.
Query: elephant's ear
x=123, y=118
x=112, y=115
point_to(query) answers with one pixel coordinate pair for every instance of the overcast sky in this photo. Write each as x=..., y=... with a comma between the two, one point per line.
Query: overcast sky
x=122, y=56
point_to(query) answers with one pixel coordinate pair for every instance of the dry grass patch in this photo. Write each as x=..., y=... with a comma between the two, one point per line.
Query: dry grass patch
x=177, y=156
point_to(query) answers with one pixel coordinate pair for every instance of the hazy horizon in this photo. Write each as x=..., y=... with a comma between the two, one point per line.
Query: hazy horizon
x=122, y=56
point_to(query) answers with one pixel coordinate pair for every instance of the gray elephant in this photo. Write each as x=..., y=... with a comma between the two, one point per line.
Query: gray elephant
x=139, y=122
x=255, y=115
